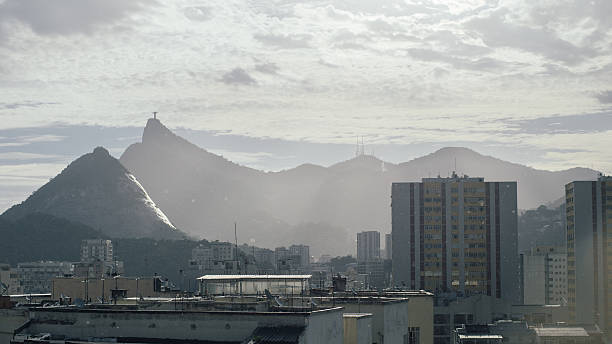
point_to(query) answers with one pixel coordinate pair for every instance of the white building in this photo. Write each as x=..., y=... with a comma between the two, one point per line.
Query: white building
x=544, y=276
x=96, y=250
x=368, y=246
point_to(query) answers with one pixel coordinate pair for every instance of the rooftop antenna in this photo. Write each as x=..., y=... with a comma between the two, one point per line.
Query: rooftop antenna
x=236, y=252
x=154, y=114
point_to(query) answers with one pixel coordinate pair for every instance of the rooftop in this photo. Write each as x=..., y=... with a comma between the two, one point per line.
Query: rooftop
x=561, y=332
x=253, y=277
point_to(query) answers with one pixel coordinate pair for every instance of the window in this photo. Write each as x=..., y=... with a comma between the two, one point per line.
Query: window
x=414, y=335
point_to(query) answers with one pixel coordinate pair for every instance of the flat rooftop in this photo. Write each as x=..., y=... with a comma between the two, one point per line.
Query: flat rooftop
x=252, y=277
x=561, y=332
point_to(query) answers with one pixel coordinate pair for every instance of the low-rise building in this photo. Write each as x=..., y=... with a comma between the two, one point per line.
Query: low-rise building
x=9, y=280
x=136, y=326
x=105, y=289
x=36, y=277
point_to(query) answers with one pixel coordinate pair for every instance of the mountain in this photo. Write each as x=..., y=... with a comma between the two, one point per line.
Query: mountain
x=204, y=194
x=544, y=226
x=96, y=190
x=38, y=236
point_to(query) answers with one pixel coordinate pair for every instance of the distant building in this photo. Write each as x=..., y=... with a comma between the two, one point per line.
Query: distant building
x=588, y=207
x=289, y=261
x=36, y=277
x=388, y=246
x=374, y=270
x=97, y=260
x=215, y=258
x=544, y=275
x=303, y=251
x=9, y=280
x=456, y=234
x=368, y=246
x=97, y=250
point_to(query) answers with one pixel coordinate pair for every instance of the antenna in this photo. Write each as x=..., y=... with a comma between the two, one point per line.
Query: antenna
x=236, y=241
x=154, y=114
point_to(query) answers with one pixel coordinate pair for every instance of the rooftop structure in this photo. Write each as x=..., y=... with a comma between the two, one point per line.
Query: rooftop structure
x=254, y=284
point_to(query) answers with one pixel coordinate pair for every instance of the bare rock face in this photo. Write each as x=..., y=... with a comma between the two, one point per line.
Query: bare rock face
x=98, y=191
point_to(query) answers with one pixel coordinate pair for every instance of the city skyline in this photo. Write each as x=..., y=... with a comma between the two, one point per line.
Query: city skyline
x=281, y=84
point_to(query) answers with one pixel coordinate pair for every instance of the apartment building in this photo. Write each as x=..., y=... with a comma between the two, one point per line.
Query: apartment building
x=589, y=251
x=456, y=234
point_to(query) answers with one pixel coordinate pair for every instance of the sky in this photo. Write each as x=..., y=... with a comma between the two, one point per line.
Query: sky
x=273, y=84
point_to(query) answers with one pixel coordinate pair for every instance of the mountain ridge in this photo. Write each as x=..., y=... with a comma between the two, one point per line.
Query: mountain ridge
x=98, y=191
x=205, y=193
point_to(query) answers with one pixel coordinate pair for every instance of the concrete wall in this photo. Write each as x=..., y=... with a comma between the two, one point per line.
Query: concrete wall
x=389, y=319
x=213, y=326
x=98, y=288
x=324, y=327
x=534, y=279
x=10, y=320
x=357, y=328
x=420, y=314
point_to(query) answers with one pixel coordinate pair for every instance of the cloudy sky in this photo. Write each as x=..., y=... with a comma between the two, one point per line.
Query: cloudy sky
x=274, y=83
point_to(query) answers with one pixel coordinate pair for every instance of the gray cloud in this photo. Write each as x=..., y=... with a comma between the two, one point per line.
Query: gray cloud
x=285, y=41
x=582, y=123
x=497, y=32
x=198, y=13
x=604, y=97
x=267, y=68
x=27, y=104
x=479, y=64
x=68, y=16
x=238, y=76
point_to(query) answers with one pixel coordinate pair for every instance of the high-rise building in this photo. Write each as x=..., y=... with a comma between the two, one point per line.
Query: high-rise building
x=588, y=206
x=544, y=276
x=96, y=250
x=388, y=246
x=456, y=234
x=368, y=246
x=303, y=251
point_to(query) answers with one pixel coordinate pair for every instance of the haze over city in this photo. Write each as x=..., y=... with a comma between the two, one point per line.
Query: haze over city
x=321, y=171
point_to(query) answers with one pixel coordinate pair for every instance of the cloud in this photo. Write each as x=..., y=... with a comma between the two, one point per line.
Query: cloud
x=604, y=97
x=267, y=68
x=238, y=76
x=478, y=64
x=27, y=156
x=496, y=31
x=17, y=105
x=569, y=124
x=63, y=17
x=285, y=41
x=198, y=13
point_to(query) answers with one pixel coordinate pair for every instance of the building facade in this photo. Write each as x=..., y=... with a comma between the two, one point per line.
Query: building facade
x=9, y=280
x=36, y=277
x=368, y=246
x=456, y=234
x=388, y=246
x=302, y=251
x=589, y=254
x=96, y=250
x=544, y=276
